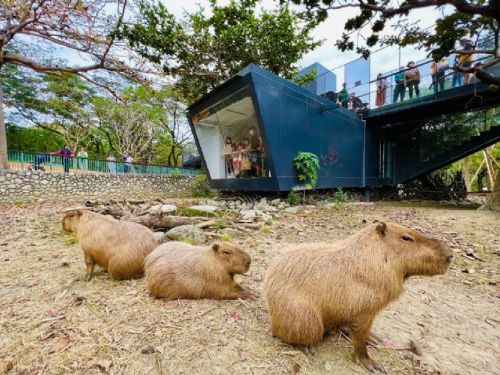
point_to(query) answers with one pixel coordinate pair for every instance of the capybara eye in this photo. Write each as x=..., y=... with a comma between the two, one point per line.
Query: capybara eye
x=226, y=252
x=407, y=238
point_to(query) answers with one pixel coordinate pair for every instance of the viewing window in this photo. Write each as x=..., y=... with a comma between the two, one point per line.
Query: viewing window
x=230, y=138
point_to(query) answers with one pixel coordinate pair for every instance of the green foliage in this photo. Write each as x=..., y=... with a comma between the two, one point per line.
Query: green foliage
x=339, y=196
x=201, y=188
x=266, y=229
x=32, y=139
x=293, y=198
x=207, y=47
x=307, y=165
x=306, y=78
x=225, y=237
x=70, y=239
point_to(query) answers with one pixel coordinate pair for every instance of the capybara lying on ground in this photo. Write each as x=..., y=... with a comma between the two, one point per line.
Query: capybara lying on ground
x=118, y=246
x=347, y=283
x=179, y=270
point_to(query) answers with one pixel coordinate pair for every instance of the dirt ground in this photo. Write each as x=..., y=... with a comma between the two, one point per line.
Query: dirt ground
x=53, y=322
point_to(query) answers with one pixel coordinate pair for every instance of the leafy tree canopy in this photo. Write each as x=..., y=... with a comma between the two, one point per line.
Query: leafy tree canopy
x=202, y=51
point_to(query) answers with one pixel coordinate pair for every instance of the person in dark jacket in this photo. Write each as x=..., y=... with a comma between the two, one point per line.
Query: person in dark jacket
x=66, y=154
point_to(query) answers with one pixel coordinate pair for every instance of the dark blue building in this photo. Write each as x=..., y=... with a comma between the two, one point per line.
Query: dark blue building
x=249, y=129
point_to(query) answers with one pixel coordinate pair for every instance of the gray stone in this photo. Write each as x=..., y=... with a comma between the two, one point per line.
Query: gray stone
x=204, y=208
x=276, y=201
x=187, y=232
x=233, y=233
x=160, y=237
x=248, y=214
x=266, y=217
x=291, y=210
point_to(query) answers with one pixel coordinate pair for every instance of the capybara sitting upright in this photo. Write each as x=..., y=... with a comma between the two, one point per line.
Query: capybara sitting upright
x=347, y=283
x=118, y=246
x=179, y=270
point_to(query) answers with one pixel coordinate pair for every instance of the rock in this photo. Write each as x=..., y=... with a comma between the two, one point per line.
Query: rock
x=204, y=208
x=233, y=233
x=309, y=207
x=160, y=237
x=276, y=202
x=168, y=208
x=291, y=210
x=266, y=217
x=187, y=232
x=248, y=214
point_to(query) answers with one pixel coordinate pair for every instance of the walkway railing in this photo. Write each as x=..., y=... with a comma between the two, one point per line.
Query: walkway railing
x=360, y=75
x=20, y=160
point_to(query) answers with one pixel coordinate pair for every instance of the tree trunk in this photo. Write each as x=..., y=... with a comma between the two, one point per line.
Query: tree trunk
x=4, y=162
x=493, y=202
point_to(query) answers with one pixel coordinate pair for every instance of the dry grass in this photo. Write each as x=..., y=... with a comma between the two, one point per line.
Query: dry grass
x=53, y=322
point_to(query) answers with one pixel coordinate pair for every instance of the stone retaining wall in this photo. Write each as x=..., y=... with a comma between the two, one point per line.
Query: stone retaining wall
x=28, y=186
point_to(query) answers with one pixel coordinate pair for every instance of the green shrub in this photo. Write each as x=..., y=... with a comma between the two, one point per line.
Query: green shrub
x=339, y=196
x=293, y=197
x=307, y=165
x=201, y=188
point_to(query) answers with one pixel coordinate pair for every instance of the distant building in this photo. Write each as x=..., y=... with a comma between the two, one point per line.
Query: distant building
x=324, y=82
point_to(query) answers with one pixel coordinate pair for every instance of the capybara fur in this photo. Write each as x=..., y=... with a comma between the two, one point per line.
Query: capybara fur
x=118, y=246
x=315, y=288
x=178, y=270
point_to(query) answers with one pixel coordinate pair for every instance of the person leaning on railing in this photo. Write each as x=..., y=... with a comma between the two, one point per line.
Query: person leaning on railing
x=381, y=89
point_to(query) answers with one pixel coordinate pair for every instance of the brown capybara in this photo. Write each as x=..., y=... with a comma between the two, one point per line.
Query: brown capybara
x=118, y=246
x=312, y=290
x=179, y=270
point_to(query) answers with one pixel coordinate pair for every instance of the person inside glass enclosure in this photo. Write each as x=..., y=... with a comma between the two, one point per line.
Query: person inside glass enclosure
x=412, y=79
x=66, y=153
x=255, y=152
x=458, y=77
x=111, y=163
x=438, y=68
x=245, y=165
x=381, y=89
x=466, y=58
x=344, y=96
x=400, y=88
x=82, y=158
x=228, y=157
x=237, y=159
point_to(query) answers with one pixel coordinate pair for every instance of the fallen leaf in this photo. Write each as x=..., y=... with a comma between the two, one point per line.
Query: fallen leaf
x=241, y=356
x=52, y=312
x=60, y=344
x=104, y=364
x=234, y=315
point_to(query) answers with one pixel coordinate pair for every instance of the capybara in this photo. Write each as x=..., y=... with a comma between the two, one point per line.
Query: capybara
x=312, y=290
x=179, y=270
x=118, y=246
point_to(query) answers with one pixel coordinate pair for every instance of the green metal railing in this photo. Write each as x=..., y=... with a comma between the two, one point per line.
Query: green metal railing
x=20, y=160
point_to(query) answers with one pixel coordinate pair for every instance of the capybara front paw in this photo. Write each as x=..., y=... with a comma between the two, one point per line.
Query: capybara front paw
x=88, y=278
x=372, y=366
x=246, y=294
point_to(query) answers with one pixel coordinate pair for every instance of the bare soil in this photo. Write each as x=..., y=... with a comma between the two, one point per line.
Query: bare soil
x=53, y=322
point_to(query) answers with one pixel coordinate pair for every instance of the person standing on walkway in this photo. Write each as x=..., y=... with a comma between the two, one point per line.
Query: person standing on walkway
x=438, y=68
x=82, y=158
x=400, y=88
x=466, y=59
x=111, y=163
x=458, y=77
x=128, y=163
x=66, y=155
x=381, y=90
x=412, y=79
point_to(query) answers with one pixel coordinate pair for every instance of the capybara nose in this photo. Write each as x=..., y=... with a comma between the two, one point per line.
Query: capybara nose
x=449, y=258
x=248, y=263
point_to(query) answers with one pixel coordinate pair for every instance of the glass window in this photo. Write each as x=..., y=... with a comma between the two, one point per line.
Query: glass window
x=230, y=138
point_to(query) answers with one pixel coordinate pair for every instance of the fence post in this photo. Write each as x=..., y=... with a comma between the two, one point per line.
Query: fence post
x=21, y=159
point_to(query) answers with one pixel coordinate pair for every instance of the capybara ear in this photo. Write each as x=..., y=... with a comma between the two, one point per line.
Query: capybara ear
x=381, y=228
x=78, y=212
x=215, y=247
